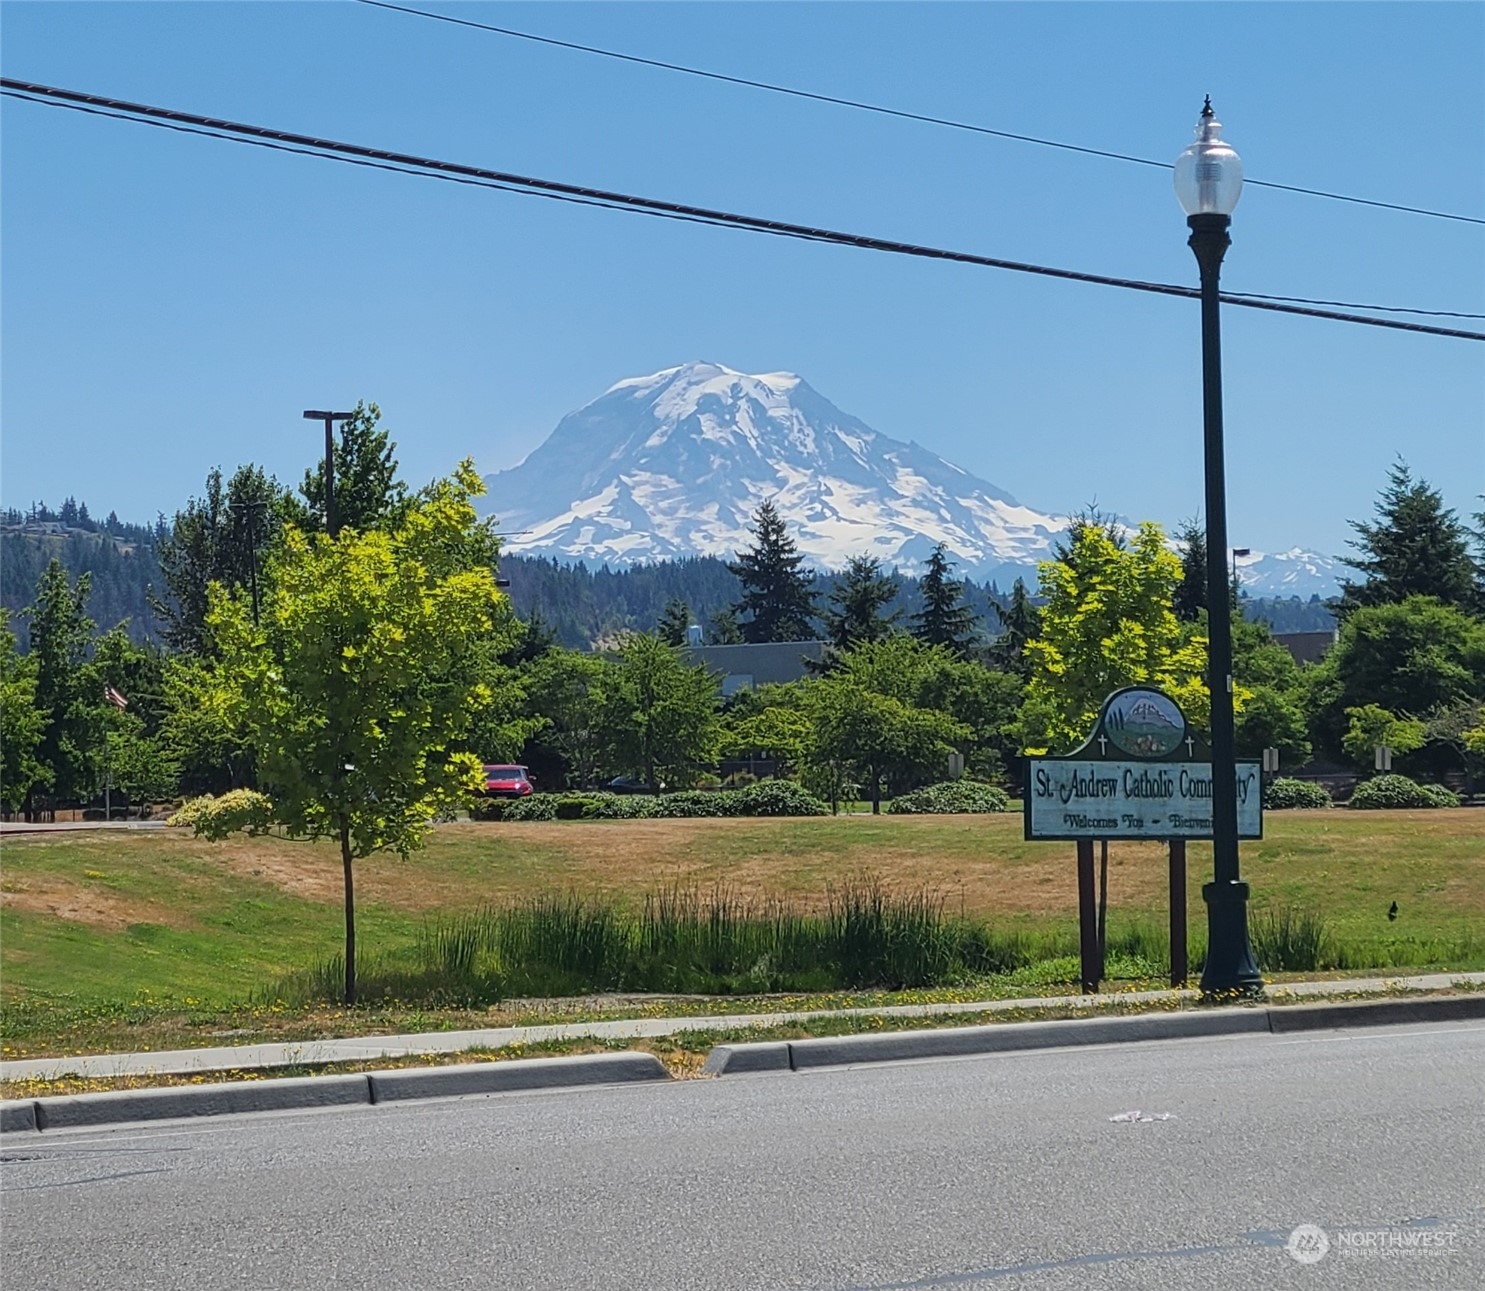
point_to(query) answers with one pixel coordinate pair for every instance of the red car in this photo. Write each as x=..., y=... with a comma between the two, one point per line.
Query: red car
x=507, y=781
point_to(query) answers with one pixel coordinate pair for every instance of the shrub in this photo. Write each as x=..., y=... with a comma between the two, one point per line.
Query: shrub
x=775, y=798
x=693, y=803
x=539, y=806
x=488, y=808
x=951, y=798
x=238, y=809
x=1283, y=794
x=577, y=806
x=1394, y=791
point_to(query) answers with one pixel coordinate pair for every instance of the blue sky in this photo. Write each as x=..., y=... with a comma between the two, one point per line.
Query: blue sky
x=171, y=303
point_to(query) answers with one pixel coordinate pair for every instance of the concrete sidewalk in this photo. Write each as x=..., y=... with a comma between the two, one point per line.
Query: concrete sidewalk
x=361, y=1048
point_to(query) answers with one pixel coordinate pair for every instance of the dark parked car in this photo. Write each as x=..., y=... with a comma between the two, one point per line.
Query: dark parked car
x=629, y=784
x=507, y=781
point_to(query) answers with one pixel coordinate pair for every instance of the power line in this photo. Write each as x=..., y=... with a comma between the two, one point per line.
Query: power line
x=406, y=163
x=880, y=110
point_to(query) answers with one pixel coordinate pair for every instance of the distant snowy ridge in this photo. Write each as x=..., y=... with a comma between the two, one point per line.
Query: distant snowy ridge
x=676, y=463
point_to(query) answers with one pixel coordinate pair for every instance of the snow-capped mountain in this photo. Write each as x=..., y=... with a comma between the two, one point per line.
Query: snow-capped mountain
x=1290, y=573
x=676, y=464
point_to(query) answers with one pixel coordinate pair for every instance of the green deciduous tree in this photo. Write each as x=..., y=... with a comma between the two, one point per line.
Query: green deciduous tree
x=1416, y=547
x=357, y=691
x=1412, y=657
x=661, y=714
x=1107, y=623
x=777, y=594
x=1371, y=726
x=874, y=735
x=945, y=619
x=22, y=723
x=1460, y=728
x=568, y=690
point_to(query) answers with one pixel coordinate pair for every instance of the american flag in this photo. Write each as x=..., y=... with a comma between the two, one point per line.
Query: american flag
x=114, y=698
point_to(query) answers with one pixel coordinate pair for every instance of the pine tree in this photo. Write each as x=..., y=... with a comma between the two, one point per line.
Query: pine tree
x=674, y=622
x=945, y=619
x=368, y=494
x=776, y=594
x=860, y=595
x=1191, y=595
x=213, y=541
x=1416, y=547
x=1020, y=622
x=60, y=632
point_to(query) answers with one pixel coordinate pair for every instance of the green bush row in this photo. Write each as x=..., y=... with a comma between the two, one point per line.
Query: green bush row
x=1393, y=791
x=951, y=798
x=766, y=798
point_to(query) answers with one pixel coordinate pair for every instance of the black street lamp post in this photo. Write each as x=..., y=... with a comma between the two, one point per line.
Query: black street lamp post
x=329, y=418
x=1209, y=180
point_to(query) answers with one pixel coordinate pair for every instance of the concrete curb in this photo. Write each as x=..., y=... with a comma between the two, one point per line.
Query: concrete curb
x=17, y=1116
x=900, y=1046
x=72, y=1111
x=525, y=1073
x=1374, y=1013
x=175, y=1102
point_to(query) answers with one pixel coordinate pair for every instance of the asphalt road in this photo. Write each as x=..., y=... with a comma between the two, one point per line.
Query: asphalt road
x=1003, y=1171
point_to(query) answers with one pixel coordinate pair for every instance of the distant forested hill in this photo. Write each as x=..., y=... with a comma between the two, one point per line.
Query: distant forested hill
x=1289, y=614
x=120, y=557
x=580, y=605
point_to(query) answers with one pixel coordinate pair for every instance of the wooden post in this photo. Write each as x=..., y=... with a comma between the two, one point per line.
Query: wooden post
x=1087, y=917
x=1178, y=967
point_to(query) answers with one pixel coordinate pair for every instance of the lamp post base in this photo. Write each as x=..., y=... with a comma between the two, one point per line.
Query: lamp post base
x=1230, y=968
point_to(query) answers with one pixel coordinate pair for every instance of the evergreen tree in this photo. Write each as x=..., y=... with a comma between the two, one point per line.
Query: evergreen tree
x=1020, y=622
x=1416, y=547
x=673, y=623
x=945, y=618
x=368, y=494
x=217, y=539
x=60, y=632
x=859, y=598
x=1191, y=595
x=776, y=593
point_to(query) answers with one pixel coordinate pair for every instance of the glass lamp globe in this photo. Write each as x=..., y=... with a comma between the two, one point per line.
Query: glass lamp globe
x=1209, y=174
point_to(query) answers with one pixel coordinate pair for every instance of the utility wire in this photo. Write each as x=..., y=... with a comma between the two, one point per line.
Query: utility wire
x=879, y=109
x=406, y=163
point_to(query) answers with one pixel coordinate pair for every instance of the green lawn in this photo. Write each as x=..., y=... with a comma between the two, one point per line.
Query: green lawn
x=99, y=920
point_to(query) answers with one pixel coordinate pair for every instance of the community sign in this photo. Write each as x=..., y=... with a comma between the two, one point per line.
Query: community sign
x=1143, y=773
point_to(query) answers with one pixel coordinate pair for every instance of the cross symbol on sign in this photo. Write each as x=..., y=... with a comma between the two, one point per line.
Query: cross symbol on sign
x=1103, y=744
x=1190, y=747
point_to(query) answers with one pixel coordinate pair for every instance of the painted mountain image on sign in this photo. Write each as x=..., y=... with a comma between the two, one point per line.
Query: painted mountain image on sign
x=1144, y=723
